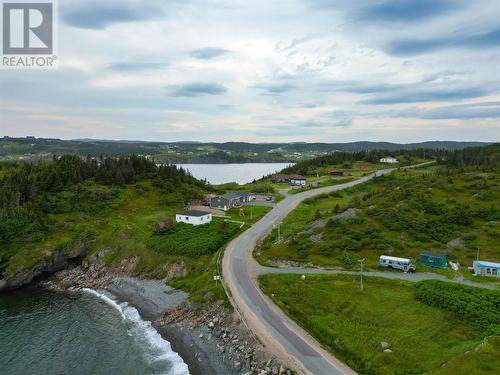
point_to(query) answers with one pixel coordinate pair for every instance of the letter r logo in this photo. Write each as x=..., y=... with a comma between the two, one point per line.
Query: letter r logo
x=27, y=28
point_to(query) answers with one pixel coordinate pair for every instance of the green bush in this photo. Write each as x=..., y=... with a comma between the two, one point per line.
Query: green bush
x=480, y=307
x=193, y=241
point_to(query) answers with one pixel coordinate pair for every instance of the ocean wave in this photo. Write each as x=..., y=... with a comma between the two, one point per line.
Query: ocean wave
x=157, y=351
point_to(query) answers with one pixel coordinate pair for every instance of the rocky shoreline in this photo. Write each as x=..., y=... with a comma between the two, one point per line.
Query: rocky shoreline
x=208, y=337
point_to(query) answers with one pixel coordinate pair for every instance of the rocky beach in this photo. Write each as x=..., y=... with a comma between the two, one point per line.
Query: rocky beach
x=209, y=337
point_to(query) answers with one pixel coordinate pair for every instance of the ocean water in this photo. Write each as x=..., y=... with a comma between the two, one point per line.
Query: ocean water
x=241, y=173
x=79, y=332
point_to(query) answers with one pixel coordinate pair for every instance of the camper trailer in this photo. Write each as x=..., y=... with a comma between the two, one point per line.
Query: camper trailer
x=402, y=264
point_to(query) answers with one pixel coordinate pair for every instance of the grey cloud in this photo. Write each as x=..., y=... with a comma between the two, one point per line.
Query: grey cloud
x=276, y=88
x=388, y=10
x=136, y=66
x=405, y=10
x=196, y=89
x=382, y=93
x=410, y=95
x=208, y=53
x=99, y=14
x=462, y=112
x=407, y=47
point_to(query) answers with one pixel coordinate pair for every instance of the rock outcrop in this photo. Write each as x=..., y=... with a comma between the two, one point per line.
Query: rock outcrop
x=59, y=260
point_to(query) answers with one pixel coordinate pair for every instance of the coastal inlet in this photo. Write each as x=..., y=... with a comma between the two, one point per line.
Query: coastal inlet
x=79, y=332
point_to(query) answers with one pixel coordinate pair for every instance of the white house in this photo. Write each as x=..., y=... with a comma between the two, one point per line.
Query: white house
x=389, y=160
x=297, y=180
x=194, y=217
x=485, y=268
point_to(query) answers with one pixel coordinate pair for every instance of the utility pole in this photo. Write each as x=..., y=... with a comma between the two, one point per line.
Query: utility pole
x=361, y=261
x=477, y=257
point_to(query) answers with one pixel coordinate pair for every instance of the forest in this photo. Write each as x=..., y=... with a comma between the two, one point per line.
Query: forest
x=345, y=159
x=34, y=195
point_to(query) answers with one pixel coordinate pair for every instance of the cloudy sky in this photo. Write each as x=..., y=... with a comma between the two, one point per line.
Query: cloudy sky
x=295, y=70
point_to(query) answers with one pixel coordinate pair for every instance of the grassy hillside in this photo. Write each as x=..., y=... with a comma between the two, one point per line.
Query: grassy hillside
x=439, y=208
x=423, y=339
x=101, y=206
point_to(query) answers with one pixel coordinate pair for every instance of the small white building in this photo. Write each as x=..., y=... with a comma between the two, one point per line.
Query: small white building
x=389, y=160
x=194, y=217
x=485, y=268
x=297, y=180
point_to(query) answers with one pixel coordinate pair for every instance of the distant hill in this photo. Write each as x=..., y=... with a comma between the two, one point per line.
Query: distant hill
x=199, y=152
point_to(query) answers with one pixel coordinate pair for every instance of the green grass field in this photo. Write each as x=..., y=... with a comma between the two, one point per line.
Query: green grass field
x=352, y=324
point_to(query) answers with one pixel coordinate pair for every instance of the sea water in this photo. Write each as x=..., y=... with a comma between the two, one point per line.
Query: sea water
x=79, y=332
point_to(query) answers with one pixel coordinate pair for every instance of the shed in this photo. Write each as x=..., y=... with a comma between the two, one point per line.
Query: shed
x=166, y=223
x=431, y=259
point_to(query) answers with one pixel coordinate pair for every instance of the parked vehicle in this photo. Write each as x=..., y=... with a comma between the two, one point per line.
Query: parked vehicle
x=402, y=264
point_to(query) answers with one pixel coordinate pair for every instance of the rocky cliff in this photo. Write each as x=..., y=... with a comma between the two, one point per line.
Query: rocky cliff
x=59, y=260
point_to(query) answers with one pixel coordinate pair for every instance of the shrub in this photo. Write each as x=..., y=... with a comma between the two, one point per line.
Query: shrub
x=480, y=307
x=194, y=241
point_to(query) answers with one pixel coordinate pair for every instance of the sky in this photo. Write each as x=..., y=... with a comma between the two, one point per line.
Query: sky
x=265, y=71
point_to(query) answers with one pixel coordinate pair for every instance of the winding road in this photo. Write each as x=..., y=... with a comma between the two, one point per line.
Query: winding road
x=281, y=336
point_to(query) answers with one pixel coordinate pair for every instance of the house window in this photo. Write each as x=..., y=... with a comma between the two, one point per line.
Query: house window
x=488, y=271
x=494, y=271
x=187, y=218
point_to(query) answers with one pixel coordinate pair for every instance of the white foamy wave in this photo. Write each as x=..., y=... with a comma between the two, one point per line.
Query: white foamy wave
x=157, y=351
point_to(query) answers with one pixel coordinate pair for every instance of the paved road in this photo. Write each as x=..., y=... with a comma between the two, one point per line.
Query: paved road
x=418, y=276
x=281, y=335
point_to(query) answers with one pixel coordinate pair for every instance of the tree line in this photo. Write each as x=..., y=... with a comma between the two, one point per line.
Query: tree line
x=371, y=156
x=30, y=191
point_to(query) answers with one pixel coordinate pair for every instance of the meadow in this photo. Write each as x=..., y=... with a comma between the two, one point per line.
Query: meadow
x=352, y=324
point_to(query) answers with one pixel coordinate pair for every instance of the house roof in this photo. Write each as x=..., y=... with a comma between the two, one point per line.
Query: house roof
x=485, y=263
x=432, y=254
x=195, y=213
x=235, y=195
x=297, y=177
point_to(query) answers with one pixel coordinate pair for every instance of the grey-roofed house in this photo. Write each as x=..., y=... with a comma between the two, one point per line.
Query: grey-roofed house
x=229, y=200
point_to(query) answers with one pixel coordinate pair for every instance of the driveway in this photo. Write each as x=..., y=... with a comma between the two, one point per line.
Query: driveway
x=417, y=276
x=260, y=203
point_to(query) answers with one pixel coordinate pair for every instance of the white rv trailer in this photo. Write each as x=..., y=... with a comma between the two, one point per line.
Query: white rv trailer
x=402, y=264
